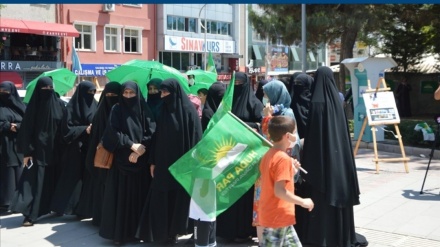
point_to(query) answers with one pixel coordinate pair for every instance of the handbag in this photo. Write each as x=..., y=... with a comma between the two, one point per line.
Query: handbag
x=103, y=157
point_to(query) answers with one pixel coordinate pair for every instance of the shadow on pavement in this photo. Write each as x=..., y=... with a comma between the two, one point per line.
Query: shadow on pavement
x=427, y=195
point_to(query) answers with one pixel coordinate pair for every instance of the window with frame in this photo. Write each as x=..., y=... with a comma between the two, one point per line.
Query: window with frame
x=86, y=40
x=184, y=24
x=132, y=40
x=216, y=27
x=112, y=38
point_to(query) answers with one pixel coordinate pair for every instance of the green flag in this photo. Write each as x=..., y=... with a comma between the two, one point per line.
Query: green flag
x=211, y=64
x=222, y=166
x=224, y=107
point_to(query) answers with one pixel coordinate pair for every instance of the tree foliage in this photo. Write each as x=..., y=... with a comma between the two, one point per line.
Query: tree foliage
x=325, y=23
x=407, y=34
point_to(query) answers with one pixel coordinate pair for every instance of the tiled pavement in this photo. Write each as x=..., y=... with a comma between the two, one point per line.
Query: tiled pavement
x=392, y=210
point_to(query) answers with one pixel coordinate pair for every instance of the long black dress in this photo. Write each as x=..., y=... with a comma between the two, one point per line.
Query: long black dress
x=11, y=112
x=39, y=138
x=166, y=209
x=236, y=221
x=90, y=202
x=131, y=122
x=77, y=117
x=301, y=101
x=213, y=100
x=331, y=181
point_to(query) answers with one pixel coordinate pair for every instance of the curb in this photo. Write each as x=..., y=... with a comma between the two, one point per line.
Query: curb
x=386, y=146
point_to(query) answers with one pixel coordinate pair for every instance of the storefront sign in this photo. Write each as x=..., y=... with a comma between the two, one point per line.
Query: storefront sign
x=279, y=60
x=254, y=70
x=28, y=66
x=428, y=87
x=95, y=69
x=175, y=43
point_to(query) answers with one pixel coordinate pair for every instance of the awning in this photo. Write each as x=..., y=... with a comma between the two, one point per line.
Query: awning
x=13, y=77
x=37, y=27
x=257, y=52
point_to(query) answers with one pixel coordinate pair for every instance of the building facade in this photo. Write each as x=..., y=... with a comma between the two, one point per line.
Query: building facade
x=31, y=39
x=109, y=35
x=187, y=33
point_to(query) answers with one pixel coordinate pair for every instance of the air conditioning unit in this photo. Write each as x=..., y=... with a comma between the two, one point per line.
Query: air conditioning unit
x=108, y=7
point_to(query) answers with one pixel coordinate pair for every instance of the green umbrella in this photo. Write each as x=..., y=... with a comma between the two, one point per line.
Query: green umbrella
x=142, y=71
x=63, y=81
x=198, y=85
x=202, y=75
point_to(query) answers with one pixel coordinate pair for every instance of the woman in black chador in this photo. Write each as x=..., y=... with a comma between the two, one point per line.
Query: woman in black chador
x=213, y=100
x=40, y=142
x=236, y=222
x=165, y=214
x=331, y=181
x=259, y=93
x=75, y=129
x=90, y=202
x=301, y=101
x=128, y=135
x=403, y=99
x=11, y=114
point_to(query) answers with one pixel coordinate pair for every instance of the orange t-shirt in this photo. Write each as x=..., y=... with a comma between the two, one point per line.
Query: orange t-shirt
x=273, y=212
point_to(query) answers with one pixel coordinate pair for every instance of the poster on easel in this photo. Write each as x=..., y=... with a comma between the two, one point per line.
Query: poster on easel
x=381, y=108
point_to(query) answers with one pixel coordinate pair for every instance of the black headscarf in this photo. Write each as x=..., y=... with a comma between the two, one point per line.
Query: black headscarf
x=12, y=110
x=82, y=105
x=39, y=130
x=131, y=121
x=154, y=101
x=79, y=114
x=100, y=119
x=179, y=129
x=245, y=104
x=260, y=93
x=328, y=153
x=11, y=100
x=291, y=86
x=213, y=100
x=301, y=101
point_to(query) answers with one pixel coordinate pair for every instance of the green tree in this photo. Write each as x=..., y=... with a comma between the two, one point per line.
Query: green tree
x=407, y=34
x=325, y=23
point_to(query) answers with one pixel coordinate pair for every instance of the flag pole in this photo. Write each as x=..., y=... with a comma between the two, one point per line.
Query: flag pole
x=258, y=134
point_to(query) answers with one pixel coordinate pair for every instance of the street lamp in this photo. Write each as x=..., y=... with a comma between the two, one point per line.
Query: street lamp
x=204, y=27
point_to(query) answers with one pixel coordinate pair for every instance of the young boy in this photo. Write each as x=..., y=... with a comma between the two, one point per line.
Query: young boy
x=276, y=209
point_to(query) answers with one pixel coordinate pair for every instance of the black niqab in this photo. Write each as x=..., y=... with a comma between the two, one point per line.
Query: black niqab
x=213, y=100
x=131, y=121
x=259, y=93
x=245, y=104
x=301, y=101
x=11, y=111
x=82, y=105
x=12, y=100
x=40, y=123
x=100, y=119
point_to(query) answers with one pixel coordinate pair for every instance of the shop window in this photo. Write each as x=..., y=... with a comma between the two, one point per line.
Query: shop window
x=132, y=40
x=86, y=40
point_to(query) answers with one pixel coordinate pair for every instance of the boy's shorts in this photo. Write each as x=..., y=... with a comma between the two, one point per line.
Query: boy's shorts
x=279, y=237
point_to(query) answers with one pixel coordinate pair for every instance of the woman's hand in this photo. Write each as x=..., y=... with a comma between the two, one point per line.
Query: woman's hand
x=88, y=129
x=267, y=110
x=13, y=127
x=133, y=157
x=138, y=148
x=26, y=160
x=152, y=170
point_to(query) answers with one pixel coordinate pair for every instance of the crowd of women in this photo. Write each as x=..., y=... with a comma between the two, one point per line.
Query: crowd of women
x=47, y=156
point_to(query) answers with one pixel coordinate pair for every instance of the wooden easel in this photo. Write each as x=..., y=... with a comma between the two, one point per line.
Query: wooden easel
x=373, y=129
